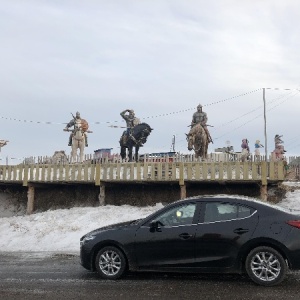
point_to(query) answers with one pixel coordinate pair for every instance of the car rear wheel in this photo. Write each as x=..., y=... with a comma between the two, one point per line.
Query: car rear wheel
x=266, y=266
x=110, y=263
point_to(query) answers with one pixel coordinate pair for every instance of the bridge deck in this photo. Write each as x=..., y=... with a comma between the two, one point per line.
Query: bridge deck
x=142, y=172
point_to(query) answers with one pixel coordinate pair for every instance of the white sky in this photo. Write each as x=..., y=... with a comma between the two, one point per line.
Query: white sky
x=159, y=57
x=60, y=230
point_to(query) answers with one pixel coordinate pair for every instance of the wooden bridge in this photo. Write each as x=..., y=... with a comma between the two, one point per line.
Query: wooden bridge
x=89, y=173
x=155, y=172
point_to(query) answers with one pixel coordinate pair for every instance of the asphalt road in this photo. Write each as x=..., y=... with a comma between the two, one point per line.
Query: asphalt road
x=60, y=276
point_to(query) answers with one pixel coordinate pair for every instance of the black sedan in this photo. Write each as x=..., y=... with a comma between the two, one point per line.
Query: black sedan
x=203, y=234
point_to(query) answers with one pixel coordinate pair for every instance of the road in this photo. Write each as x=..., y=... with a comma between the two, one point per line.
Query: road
x=60, y=276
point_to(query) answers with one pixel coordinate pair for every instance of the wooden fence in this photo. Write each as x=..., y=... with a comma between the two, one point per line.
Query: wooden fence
x=114, y=158
x=143, y=171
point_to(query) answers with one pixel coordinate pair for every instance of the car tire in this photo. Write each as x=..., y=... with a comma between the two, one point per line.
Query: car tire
x=110, y=263
x=266, y=266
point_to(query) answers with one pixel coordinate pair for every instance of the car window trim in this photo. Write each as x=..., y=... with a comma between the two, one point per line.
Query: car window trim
x=255, y=211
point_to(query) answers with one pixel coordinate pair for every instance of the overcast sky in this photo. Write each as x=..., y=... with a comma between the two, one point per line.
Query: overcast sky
x=161, y=58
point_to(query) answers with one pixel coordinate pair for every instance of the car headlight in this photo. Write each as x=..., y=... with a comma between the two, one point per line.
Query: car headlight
x=86, y=239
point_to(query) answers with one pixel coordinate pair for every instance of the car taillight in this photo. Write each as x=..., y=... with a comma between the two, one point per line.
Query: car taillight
x=294, y=223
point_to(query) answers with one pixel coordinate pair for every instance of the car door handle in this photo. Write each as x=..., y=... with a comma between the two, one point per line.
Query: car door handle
x=185, y=236
x=240, y=230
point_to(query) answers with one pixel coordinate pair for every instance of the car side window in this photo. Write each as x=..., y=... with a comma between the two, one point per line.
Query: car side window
x=217, y=211
x=179, y=215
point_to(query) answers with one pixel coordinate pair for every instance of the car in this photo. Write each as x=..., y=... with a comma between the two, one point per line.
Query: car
x=207, y=234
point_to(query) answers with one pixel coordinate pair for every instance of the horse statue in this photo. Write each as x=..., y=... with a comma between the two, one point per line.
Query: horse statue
x=198, y=141
x=137, y=137
x=78, y=139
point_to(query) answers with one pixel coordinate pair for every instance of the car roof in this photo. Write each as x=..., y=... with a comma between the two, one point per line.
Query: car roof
x=234, y=198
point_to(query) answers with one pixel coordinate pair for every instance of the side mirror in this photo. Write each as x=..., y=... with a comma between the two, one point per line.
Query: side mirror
x=155, y=226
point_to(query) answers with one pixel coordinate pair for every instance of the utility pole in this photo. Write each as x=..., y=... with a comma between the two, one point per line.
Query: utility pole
x=265, y=125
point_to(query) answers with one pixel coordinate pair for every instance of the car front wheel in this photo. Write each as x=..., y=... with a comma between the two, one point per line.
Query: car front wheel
x=110, y=263
x=266, y=266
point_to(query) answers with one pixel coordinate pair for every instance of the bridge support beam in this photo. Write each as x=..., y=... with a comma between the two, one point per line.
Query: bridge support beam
x=264, y=192
x=102, y=195
x=30, y=200
x=182, y=191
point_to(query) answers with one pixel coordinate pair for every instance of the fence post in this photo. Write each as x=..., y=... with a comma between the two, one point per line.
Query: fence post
x=97, y=176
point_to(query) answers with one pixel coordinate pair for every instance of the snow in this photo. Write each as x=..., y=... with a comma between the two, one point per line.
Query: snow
x=60, y=230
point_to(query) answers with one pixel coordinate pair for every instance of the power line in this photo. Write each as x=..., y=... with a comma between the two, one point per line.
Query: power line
x=118, y=121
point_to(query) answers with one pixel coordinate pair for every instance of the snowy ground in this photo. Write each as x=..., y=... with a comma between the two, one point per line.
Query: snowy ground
x=60, y=230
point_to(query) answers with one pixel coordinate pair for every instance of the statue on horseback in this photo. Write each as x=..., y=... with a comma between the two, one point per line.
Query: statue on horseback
x=279, y=151
x=134, y=136
x=199, y=137
x=78, y=138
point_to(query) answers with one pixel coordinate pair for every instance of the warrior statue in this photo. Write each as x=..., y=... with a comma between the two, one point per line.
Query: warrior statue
x=279, y=151
x=131, y=120
x=257, y=146
x=200, y=117
x=245, y=150
x=278, y=141
x=84, y=125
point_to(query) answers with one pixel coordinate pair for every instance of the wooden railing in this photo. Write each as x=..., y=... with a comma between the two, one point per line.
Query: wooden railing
x=146, y=171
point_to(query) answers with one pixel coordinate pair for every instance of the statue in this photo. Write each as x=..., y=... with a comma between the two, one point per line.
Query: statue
x=135, y=136
x=257, y=146
x=84, y=126
x=131, y=121
x=245, y=150
x=200, y=117
x=198, y=138
x=78, y=136
x=279, y=151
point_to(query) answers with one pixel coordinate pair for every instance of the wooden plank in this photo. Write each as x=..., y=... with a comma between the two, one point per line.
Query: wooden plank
x=246, y=171
x=153, y=167
x=229, y=170
x=221, y=171
x=264, y=172
x=132, y=171
x=159, y=172
x=118, y=171
x=204, y=170
x=43, y=173
x=272, y=170
x=197, y=171
x=237, y=170
x=181, y=173
x=213, y=171
x=73, y=172
x=145, y=171
x=86, y=172
x=254, y=171
x=138, y=171
x=97, y=175
x=54, y=178
x=281, y=170
x=14, y=173
x=67, y=172
x=173, y=171
x=61, y=173
x=189, y=171
x=79, y=174
x=25, y=177
x=92, y=176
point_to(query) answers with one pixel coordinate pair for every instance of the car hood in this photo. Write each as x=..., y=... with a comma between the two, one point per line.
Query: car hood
x=122, y=225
